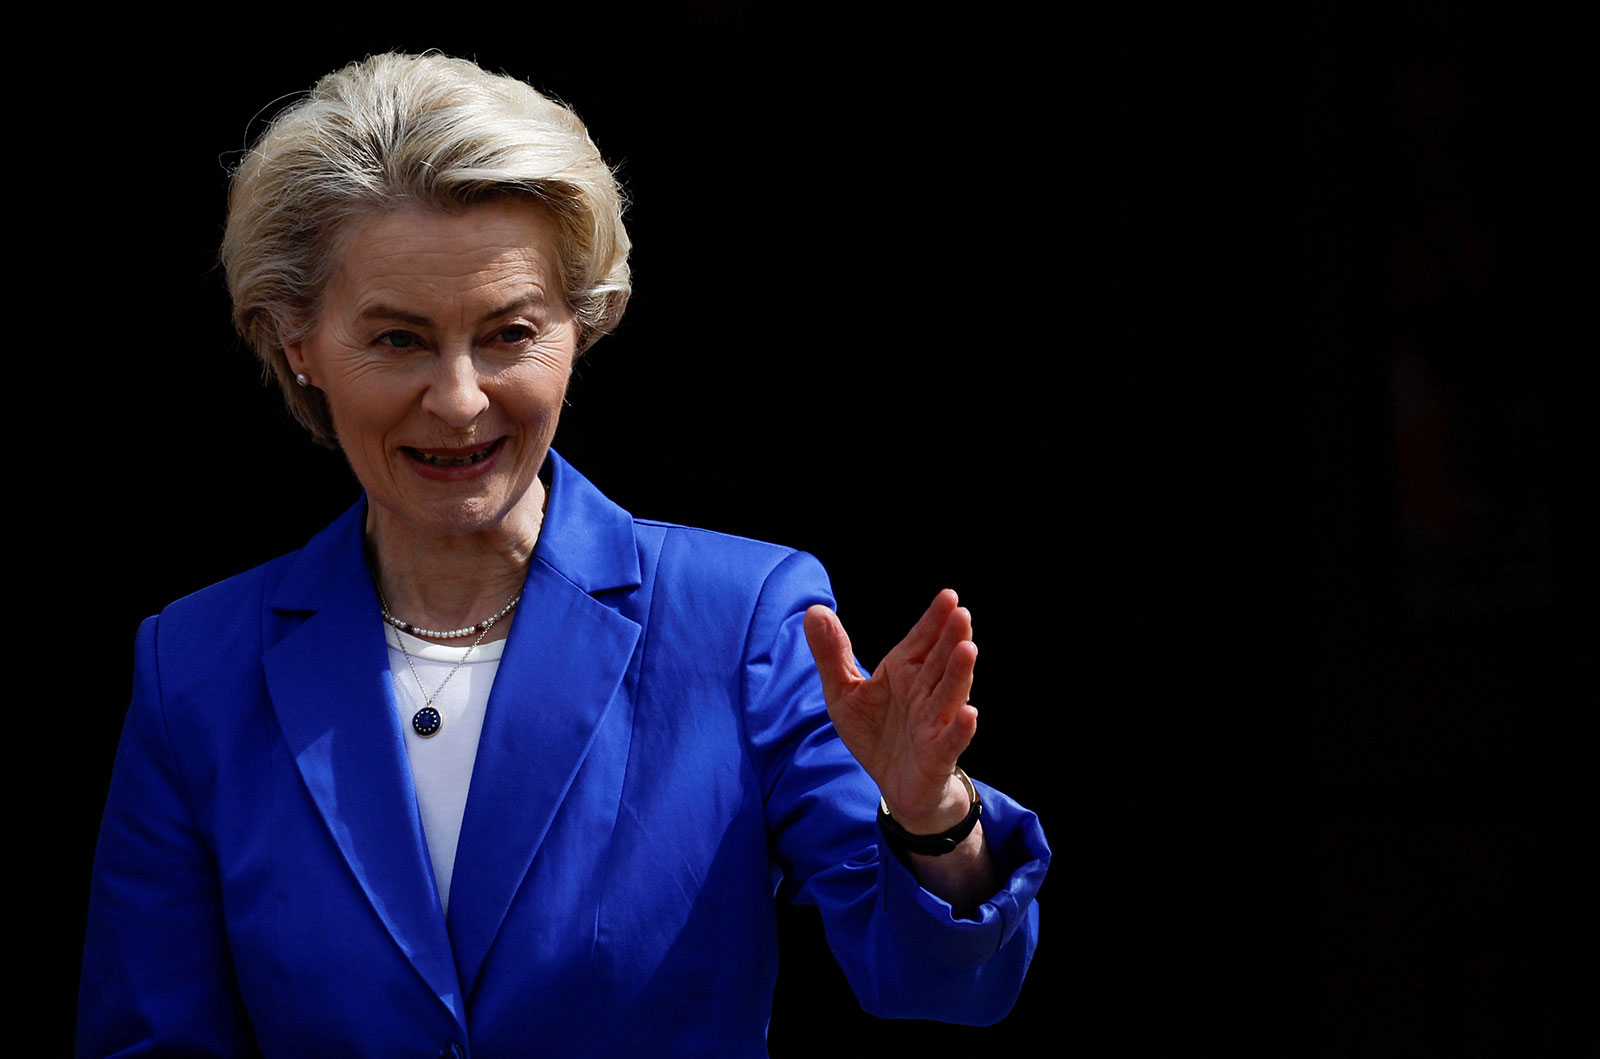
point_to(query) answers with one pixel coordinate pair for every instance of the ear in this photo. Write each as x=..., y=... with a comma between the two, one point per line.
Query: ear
x=295, y=352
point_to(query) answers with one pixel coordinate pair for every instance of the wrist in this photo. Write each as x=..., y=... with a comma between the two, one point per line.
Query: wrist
x=950, y=809
x=937, y=832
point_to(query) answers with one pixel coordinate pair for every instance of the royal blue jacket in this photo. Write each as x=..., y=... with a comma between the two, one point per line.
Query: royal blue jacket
x=655, y=759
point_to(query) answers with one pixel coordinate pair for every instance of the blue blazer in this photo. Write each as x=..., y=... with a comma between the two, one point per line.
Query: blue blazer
x=655, y=760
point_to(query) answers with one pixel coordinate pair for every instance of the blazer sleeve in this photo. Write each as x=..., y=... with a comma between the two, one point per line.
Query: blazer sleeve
x=904, y=952
x=157, y=973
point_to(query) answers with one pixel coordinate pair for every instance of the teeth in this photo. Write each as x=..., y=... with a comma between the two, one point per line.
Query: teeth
x=455, y=461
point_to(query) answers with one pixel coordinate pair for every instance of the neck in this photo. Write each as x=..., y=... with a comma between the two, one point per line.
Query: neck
x=451, y=581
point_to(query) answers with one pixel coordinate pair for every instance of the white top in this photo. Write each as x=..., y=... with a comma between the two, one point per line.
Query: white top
x=441, y=764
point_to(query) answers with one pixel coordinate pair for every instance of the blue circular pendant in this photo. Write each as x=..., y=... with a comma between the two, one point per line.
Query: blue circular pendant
x=426, y=721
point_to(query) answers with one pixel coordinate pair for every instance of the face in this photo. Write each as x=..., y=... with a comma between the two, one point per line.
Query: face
x=444, y=347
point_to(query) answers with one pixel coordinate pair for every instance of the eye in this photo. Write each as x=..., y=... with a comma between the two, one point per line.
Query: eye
x=514, y=334
x=397, y=339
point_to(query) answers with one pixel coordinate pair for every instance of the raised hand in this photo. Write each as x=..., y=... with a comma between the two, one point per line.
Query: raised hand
x=910, y=721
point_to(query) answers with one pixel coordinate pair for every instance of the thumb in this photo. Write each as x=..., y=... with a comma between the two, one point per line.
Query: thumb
x=830, y=649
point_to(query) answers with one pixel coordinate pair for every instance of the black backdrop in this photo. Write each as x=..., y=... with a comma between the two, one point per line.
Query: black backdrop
x=1211, y=370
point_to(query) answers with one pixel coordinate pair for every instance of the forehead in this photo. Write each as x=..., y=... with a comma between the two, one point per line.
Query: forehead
x=430, y=252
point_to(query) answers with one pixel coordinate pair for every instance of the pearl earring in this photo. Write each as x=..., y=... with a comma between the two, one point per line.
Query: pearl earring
x=302, y=380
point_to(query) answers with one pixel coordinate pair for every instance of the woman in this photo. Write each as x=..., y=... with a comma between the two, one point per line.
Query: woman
x=656, y=724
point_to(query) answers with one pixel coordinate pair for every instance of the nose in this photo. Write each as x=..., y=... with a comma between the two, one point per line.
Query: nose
x=455, y=391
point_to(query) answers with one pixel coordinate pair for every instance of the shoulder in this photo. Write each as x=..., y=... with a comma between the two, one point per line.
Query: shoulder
x=232, y=620
x=602, y=548
x=725, y=551
x=304, y=580
x=220, y=613
x=198, y=664
x=708, y=563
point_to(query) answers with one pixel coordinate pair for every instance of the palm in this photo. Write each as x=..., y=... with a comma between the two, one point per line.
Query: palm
x=909, y=722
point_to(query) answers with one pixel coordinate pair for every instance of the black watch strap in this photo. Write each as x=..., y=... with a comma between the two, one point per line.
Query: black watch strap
x=902, y=841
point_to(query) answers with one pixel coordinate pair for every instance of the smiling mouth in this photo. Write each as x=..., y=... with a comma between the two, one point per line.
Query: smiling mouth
x=454, y=457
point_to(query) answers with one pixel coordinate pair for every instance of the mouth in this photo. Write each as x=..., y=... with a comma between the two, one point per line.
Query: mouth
x=463, y=457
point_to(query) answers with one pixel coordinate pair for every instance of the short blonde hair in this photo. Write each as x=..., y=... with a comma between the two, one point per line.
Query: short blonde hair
x=407, y=130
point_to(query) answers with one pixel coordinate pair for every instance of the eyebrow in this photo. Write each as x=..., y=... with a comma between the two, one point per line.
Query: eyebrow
x=389, y=312
x=382, y=311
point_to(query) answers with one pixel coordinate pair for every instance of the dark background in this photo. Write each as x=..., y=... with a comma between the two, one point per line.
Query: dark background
x=1214, y=365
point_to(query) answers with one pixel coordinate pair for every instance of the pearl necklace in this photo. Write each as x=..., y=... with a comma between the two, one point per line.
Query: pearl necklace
x=446, y=634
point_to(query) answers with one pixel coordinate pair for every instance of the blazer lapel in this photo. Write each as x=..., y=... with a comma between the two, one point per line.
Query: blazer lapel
x=329, y=680
x=564, y=663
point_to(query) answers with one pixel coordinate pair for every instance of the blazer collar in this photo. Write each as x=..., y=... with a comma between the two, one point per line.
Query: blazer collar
x=564, y=663
x=585, y=537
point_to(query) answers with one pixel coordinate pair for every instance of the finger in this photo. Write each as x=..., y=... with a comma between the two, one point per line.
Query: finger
x=925, y=633
x=955, y=685
x=830, y=649
x=956, y=736
x=957, y=630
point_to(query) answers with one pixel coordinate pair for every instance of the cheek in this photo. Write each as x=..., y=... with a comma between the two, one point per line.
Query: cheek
x=543, y=416
x=361, y=419
x=540, y=400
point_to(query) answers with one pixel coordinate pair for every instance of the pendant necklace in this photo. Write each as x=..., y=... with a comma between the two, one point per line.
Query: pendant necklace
x=427, y=721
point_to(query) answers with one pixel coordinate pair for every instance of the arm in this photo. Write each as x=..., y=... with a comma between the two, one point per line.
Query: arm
x=157, y=974
x=906, y=951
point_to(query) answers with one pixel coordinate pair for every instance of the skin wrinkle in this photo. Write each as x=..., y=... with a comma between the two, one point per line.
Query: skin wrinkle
x=439, y=332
